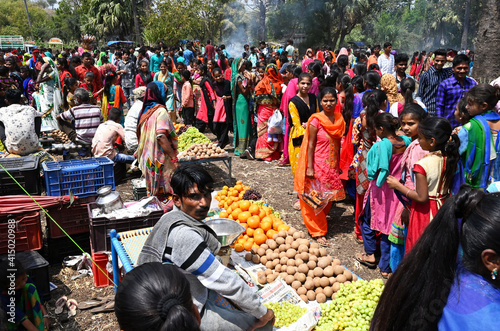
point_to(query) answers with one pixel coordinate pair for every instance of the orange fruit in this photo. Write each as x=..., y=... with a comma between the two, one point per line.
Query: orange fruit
x=283, y=227
x=234, y=193
x=276, y=224
x=235, y=213
x=244, y=225
x=223, y=214
x=234, y=205
x=262, y=214
x=267, y=210
x=244, y=216
x=260, y=238
x=266, y=219
x=225, y=188
x=254, y=209
x=223, y=192
x=271, y=233
x=253, y=222
x=229, y=210
x=230, y=217
x=257, y=232
x=238, y=188
x=250, y=232
x=248, y=245
x=266, y=226
x=239, y=182
x=245, y=205
x=238, y=247
x=221, y=204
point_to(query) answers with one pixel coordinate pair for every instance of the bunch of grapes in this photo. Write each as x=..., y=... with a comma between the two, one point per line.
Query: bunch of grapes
x=285, y=313
x=190, y=137
x=182, y=129
x=353, y=306
x=252, y=195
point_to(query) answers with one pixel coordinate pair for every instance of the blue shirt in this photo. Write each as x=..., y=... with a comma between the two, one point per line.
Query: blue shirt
x=428, y=85
x=154, y=63
x=449, y=93
x=188, y=55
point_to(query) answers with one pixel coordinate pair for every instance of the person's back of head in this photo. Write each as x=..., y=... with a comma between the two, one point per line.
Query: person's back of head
x=82, y=96
x=155, y=297
x=114, y=115
x=13, y=96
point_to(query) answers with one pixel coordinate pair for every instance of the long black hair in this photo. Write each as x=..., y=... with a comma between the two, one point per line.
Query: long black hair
x=387, y=121
x=108, y=82
x=415, y=296
x=371, y=79
x=415, y=111
x=345, y=81
x=407, y=88
x=484, y=93
x=155, y=297
x=373, y=100
x=440, y=129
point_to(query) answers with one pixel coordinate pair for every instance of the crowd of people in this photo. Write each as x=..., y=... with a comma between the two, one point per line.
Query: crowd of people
x=398, y=135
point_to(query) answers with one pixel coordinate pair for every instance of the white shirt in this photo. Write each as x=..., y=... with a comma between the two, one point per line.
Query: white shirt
x=386, y=64
x=289, y=51
x=19, y=122
x=131, y=125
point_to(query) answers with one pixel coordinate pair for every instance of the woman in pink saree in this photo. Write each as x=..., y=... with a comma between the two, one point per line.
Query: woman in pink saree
x=267, y=98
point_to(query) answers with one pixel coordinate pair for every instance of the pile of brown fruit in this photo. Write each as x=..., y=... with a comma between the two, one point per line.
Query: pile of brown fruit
x=306, y=267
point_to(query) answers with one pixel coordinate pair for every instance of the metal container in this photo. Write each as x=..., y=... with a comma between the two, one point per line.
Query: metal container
x=227, y=230
x=108, y=200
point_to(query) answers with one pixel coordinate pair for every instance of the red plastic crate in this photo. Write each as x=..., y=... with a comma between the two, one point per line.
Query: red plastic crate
x=27, y=230
x=101, y=259
x=74, y=220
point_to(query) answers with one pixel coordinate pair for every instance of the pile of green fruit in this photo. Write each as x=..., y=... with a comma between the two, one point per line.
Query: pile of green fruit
x=285, y=313
x=353, y=306
x=190, y=137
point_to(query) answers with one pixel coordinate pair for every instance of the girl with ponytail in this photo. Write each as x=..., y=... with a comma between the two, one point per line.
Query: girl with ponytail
x=449, y=281
x=407, y=87
x=113, y=96
x=382, y=206
x=433, y=175
x=156, y=297
x=363, y=137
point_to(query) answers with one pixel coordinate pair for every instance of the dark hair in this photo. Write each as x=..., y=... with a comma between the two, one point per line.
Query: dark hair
x=4, y=71
x=415, y=110
x=372, y=79
x=186, y=175
x=325, y=91
x=373, y=66
x=387, y=44
x=460, y=58
x=387, y=121
x=5, y=268
x=86, y=54
x=345, y=81
x=440, y=129
x=357, y=82
x=155, y=297
x=360, y=69
x=440, y=52
x=114, y=114
x=343, y=62
x=431, y=266
x=68, y=82
x=407, y=86
x=484, y=93
x=374, y=100
x=62, y=61
x=89, y=74
x=462, y=109
x=297, y=71
x=305, y=75
x=108, y=82
x=186, y=74
x=402, y=57
x=13, y=96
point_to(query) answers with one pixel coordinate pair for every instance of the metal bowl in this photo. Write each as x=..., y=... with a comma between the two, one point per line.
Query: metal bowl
x=227, y=230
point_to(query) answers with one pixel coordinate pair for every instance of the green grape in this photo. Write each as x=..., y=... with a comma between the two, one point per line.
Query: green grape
x=285, y=313
x=353, y=307
x=190, y=137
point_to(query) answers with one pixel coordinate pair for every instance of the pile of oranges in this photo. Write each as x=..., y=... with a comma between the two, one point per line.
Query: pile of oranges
x=259, y=221
x=228, y=195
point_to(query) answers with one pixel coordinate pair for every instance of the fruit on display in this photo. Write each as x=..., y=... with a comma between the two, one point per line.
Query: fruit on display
x=285, y=313
x=352, y=308
x=190, y=137
x=304, y=266
x=252, y=195
x=228, y=195
x=180, y=128
x=202, y=151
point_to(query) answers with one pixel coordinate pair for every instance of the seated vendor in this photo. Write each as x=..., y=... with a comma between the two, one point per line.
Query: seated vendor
x=182, y=238
x=19, y=125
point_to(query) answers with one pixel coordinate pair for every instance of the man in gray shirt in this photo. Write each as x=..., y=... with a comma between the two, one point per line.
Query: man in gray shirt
x=183, y=239
x=126, y=70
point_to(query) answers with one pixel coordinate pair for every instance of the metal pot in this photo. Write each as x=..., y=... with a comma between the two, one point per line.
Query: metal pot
x=108, y=200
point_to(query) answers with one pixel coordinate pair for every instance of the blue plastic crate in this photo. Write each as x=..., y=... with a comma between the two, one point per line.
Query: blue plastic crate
x=81, y=177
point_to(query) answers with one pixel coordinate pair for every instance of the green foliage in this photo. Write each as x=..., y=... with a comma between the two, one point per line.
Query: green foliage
x=13, y=19
x=106, y=18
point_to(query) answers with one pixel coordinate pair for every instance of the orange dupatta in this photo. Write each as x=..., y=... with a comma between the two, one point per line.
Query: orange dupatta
x=335, y=130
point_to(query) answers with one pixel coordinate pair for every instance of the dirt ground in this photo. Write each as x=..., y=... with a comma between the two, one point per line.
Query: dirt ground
x=276, y=186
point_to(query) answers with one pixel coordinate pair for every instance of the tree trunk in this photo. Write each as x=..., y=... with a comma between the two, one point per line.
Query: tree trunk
x=465, y=32
x=343, y=33
x=341, y=26
x=262, y=20
x=486, y=64
x=137, y=31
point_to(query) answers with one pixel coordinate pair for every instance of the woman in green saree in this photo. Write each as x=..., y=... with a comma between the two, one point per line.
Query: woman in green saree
x=241, y=114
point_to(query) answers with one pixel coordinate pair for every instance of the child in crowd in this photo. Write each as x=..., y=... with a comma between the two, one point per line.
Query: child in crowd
x=381, y=207
x=70, y=85
x=89, y=85
x=35, y=102
x=433, y=175
x=113, y=96
x=30, y=313
x=187, y=99
x=28, y=83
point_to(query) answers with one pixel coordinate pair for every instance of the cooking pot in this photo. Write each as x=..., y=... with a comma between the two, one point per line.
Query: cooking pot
x=108, y=200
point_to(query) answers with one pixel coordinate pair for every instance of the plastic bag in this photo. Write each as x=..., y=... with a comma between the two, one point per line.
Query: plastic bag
x=316, y=195
x=275, y=123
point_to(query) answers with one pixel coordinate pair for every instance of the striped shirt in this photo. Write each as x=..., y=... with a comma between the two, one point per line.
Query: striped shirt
x=87, y=118
x=428, y=86
x=449, y=93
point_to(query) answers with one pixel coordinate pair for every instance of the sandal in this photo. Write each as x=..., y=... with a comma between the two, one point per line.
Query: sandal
x=60, y=303
x=322, y=241
x=296, y=205
x=105, y=308
x=72, y=305
x=358, y=240
x=361, y=258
